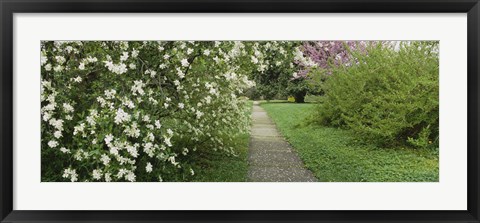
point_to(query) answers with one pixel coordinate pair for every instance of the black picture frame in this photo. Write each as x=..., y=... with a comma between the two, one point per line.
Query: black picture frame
x=9, y=7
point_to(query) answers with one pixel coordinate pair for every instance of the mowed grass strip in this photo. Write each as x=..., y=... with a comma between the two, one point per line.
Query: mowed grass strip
x=335, y=155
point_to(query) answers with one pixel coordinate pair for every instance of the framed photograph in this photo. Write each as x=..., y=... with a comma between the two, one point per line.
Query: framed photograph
x=239, y=111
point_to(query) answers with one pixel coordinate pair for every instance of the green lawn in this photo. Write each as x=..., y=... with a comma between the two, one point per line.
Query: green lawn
x=214, y=167
x=334, y=155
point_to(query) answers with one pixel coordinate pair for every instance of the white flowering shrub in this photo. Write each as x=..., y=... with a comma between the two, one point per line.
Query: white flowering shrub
x=275, y=64
x=139, y=111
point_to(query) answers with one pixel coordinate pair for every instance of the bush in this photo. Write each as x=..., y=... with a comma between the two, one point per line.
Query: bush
x=291, y=99
x=389, y=96
x=139, y=111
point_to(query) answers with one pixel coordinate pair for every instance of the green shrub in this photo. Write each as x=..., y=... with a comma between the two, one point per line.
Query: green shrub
x=388, y=96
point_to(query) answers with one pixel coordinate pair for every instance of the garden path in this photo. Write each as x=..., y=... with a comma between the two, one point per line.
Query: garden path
x=271, y=158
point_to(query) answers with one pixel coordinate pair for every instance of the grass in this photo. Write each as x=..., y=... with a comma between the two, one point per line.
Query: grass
x=335, y=155
x=214, y=167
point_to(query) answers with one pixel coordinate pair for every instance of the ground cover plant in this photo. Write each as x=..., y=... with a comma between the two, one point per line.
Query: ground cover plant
x=338, y=155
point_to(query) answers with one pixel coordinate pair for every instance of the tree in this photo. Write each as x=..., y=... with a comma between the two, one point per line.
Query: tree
x=274, y=60
x=316, y=59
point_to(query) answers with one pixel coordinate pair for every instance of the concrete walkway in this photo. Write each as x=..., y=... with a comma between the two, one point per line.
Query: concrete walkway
x=271, y=158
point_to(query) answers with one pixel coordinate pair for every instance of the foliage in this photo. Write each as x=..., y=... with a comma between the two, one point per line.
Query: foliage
x=312, y=60
x=216, y=167
x=327, y=54
x=274, y=60
x=252, y=93
x=140, y=111
x=291, y=99
x=316, y=60
x=389, y=96
x=335, y=155
x=299, y=88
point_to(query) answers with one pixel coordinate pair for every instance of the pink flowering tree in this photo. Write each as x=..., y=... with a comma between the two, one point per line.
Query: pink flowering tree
x=315, y=59
x=325, y=54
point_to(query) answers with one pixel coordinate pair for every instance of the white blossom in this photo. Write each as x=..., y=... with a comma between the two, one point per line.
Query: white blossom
x=43, y=59
x=199, y=114
x=157, y=124
x=48, y=67
x=78, y=129
x=57, y=134
x=52, y=143
x=148, y=168
x=120, y=68
x=78, y=79
x=132, y=130
x=108, y=139
x=167, y=141
x=70, y=173
x=121, y=116
x=57, y=123
x=108, y=177
x=130, y=176
x=60, y=59
x=105, y=159
x=132, y=150
x=97, y=174
x=67, y=108
x=135, y=53
x=124, y=56
x=138, y=87
x=180, y=73
x=185, y=63
x=58, y=68
x=91, y=59
x=64, y=150
x=129, y=104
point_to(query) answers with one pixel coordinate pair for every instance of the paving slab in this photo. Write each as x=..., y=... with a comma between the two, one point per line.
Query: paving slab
x=274, y=158
x=281, y=174
x=265, y=131
x=271, y=158
x=269, y=143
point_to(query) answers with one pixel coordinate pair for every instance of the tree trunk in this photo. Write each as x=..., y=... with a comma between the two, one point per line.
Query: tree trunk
x=300, y=97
